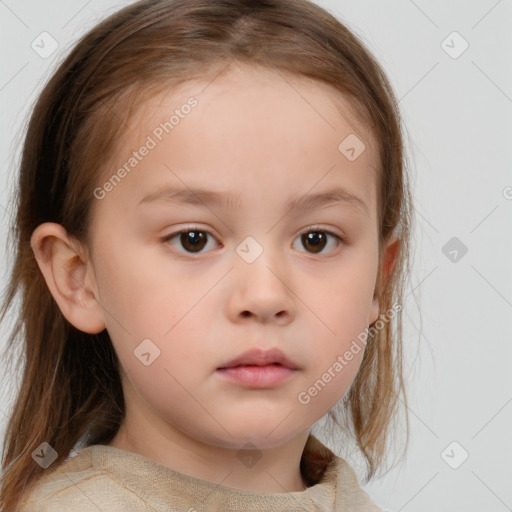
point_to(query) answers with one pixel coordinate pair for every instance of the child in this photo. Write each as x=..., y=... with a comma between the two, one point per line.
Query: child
x=213, y=225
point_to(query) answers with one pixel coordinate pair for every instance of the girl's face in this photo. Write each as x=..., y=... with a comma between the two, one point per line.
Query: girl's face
x=222, y=160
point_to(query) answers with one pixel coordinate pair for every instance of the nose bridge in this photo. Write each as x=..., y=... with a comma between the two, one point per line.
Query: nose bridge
x=258, y=255
x=261, y=277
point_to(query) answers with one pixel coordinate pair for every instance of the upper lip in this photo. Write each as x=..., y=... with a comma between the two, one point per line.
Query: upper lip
x=260, y=357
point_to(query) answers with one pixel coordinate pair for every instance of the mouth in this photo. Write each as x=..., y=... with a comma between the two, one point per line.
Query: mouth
x=256, y=376
x=258, y=369
x=258, y=357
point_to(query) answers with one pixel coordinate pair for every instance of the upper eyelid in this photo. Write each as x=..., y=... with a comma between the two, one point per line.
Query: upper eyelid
x=341, y=238
x=308, y=229
x=316, y=227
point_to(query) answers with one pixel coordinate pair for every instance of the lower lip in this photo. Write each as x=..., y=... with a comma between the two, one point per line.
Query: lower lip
x=257, y=376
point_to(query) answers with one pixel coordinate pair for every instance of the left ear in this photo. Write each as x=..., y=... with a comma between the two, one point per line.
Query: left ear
x=387, y=264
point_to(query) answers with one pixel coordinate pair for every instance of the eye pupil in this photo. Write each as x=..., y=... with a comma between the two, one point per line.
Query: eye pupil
x=190, y=239
x=194, y=241
x=316, y=239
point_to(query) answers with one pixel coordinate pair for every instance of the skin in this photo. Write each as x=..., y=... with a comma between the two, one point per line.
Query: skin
x=254, y=135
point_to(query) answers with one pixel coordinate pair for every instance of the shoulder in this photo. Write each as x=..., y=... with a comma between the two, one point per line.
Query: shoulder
x=323, y=466
x=349, y=491
x=78, y=485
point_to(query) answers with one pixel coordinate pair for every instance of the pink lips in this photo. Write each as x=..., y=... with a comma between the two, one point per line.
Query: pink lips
x=258, y=369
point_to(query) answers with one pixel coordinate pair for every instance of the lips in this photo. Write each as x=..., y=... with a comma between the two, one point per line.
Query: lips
x=258, y=357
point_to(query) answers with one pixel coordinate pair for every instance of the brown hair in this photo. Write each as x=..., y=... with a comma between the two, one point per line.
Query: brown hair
x=70, y=383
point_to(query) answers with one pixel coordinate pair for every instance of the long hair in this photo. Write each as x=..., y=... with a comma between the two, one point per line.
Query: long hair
x=70, y=384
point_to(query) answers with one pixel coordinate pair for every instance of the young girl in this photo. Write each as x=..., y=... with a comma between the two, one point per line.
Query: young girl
x=212, y=239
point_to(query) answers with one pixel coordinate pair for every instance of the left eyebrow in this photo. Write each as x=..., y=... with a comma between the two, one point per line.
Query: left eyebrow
x=205, y=198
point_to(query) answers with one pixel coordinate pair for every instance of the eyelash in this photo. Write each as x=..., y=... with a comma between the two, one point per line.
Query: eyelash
x=311, y=229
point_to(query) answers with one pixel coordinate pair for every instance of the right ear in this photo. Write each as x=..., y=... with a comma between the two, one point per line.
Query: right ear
x=69, y=276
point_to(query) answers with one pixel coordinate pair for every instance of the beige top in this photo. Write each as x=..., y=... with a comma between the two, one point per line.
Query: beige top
x=102, y=478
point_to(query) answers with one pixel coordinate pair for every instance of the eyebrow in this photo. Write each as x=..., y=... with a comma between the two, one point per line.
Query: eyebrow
x=205, y=198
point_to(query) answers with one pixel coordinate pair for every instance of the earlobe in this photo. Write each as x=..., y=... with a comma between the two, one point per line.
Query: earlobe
x=61, y=261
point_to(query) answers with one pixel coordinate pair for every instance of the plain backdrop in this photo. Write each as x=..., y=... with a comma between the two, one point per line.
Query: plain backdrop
x=450, y=65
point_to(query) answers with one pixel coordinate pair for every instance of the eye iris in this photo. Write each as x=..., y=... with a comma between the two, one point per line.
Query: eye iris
x=195, y=241
x=316, y=239
x=190, y=239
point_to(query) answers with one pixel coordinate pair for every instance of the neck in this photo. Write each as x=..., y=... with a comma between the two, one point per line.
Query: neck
x=269, y=470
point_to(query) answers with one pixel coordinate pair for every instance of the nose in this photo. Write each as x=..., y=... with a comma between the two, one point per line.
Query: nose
x=261, y=290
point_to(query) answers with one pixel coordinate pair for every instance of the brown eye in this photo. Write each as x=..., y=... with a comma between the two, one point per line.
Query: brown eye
x=191, y=241
x=315, y=241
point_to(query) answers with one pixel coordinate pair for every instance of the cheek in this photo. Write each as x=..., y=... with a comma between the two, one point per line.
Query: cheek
x=343, y=299
x=137, y=289
x=338, y=321
x=146, y=302
x=335, y=351
x=168, y=390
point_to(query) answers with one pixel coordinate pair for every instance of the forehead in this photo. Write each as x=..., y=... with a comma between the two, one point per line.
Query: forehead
x=255, y=92
x=250, y=121
x=247, y=83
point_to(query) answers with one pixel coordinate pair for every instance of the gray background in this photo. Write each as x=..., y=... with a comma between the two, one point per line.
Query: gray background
x=458, y=115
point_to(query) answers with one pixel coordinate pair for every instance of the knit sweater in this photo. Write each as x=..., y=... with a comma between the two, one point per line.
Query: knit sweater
x=107, y=479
